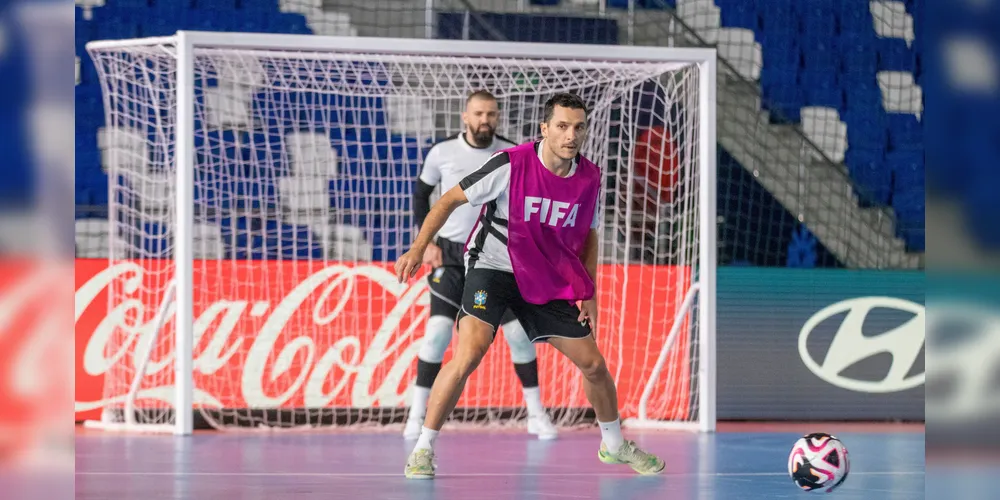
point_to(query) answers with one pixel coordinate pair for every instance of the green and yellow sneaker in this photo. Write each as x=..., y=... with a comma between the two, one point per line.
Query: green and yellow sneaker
x=420, y=465
x=630, y=454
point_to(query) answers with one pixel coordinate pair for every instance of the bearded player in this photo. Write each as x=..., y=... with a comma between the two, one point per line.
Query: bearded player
x=447, y=163
x=543, y=267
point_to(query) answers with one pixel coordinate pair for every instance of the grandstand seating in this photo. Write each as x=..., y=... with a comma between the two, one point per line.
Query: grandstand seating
x=818, y=54
x=357, y=144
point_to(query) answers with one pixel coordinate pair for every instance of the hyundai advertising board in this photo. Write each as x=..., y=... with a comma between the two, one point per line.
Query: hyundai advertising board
x=830, y=344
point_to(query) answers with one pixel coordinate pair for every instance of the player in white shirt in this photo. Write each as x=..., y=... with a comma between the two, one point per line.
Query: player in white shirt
x=446, y=164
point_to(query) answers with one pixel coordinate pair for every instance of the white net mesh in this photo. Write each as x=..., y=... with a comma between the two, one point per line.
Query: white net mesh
x=304, y=167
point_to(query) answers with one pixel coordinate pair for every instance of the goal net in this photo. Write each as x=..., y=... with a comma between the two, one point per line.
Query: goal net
x=301, y=157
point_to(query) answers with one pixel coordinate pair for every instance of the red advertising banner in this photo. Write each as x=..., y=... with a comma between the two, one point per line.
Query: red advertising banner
x=296, y=334
x=35, y=356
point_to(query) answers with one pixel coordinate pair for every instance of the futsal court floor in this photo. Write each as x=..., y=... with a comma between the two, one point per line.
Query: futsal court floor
x=740, y=461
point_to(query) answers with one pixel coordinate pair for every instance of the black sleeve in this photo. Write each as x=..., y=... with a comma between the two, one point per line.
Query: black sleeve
x=421, y=201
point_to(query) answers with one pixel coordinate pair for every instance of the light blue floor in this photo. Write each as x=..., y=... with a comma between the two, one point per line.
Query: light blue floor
x=477, y=465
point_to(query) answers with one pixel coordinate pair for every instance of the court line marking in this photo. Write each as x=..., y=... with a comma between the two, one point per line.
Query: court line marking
x=472, y=474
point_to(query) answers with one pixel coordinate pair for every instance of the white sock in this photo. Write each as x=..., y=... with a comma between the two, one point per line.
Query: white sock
x=419, y=406
x=533, y=399
x=426, y=439
x=611, y=434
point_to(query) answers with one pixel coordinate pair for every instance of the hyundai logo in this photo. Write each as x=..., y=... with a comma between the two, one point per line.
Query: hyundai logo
x=850, y=345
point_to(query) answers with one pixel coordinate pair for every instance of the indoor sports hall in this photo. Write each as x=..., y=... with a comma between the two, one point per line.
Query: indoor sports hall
x=246, y=179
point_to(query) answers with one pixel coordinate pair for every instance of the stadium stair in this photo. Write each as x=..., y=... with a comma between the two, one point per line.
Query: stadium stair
x=852, y=219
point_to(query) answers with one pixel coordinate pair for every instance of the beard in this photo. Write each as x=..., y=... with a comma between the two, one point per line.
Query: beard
x=483, y=136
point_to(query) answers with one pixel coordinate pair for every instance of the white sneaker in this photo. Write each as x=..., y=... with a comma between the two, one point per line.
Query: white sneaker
x=412, y=429
x=541, y=426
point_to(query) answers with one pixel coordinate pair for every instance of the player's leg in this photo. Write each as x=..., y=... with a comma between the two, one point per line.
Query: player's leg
x=446, y=285
x=556, y=322
x=524, y=357
x=483, y=304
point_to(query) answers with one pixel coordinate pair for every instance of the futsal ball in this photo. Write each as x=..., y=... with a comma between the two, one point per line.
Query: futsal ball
x=819, y=462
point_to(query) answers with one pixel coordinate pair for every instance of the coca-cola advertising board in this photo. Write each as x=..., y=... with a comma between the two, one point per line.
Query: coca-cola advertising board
x=300, y=334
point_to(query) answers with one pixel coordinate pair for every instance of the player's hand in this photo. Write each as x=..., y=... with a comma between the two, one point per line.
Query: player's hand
x=433, y=256
x=409, y=263
x=588, y=313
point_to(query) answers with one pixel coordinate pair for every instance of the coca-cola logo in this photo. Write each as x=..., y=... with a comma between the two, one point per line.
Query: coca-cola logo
x=302, y=348
x=300, y=334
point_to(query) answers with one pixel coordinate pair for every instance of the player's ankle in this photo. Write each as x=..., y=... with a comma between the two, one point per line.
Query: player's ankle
x=611, y=435
x=426, y=439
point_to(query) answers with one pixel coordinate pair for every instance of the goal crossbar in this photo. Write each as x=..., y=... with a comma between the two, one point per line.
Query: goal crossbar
x=410, y=46
x=186, y=45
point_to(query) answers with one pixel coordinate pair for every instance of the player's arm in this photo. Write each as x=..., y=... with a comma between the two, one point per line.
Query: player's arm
x=477, y=188
x=438, y=215
x=421, y=201
x=423, y=189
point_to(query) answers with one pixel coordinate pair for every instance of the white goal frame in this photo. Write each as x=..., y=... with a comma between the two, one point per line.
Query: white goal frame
x=183, y=282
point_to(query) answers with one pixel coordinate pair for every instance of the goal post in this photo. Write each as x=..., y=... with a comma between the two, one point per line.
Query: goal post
x=259, y=191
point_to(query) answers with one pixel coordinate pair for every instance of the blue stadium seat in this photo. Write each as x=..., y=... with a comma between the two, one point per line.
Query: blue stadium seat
x=873, y=180
x=825, y=60
x=780, y=49
x=528, y=28
x=863, y=95
x=255, y=238
x=865, y=130
x=905, y=132
x=855, y=22
x=738, y=14
x=894, y=55
x=818, y=23
x=908, y=170
x=157, y=240
x=827, y=96
x=785, y=101
x=215, y=5
x=655, y=4
x=858, y=58
x=778, y=74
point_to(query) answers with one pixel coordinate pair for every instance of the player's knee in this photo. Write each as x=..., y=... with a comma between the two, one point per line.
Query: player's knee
x=436, y=338
x=474, y=340
x=467, y=359
x=521, y=349
x=594, y=368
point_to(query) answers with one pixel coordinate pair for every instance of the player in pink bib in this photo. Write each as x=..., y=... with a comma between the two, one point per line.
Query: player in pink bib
x=533, y=250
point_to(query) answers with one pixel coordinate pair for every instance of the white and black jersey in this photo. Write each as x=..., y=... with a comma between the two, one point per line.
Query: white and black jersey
x=448, y=162
x=490, y=186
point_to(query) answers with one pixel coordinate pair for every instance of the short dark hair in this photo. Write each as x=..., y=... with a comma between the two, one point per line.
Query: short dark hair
x=481, y=94
x=564, y=100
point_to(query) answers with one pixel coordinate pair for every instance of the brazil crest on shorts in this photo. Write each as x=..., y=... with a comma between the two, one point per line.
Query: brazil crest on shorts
x=479, y=299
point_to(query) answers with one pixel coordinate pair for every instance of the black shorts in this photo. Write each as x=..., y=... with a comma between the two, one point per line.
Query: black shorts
x=489, y=293
x=447, y=284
